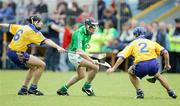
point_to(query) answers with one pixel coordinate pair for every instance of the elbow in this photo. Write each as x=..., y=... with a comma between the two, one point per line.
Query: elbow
x=164, y=53
x=46, y=41
x=121, y=57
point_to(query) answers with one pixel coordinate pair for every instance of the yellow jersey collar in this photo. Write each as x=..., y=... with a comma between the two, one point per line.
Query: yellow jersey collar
x=33, y=27
x=140, y=37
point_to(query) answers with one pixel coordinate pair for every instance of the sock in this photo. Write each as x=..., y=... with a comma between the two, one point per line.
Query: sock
x=170, y=90
x=64, y=88
x=139, y=90
x=87, y=85
x=33, y=87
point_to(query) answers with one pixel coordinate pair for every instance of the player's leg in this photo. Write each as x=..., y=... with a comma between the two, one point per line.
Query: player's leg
x=135, y=81
x=91, y=74
x=153, y=71
x=133, y=78
x=39, y=70
x=21, y=59
x=23, y=90
x=87, y=88
x=29, y=75
x=78, y=62
x=92, y=70
x=80, y=75
x=165, y=84
x=163, y=81
x=37, y=73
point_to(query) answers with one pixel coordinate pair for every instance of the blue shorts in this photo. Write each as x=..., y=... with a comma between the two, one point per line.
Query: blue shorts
x=149, y=67
x=19, y=58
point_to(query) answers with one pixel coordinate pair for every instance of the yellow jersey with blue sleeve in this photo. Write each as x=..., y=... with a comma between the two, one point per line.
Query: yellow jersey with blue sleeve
x=142, y=49
x=24, y=35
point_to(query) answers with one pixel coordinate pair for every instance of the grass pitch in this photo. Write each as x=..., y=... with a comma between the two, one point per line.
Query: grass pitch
x=112, y=90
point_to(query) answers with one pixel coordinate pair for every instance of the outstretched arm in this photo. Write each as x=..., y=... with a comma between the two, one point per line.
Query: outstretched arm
x=54, y=45
x=165, y=54
x=84, y=55
x=122, y=55
x=118, y=62
x=4, y=25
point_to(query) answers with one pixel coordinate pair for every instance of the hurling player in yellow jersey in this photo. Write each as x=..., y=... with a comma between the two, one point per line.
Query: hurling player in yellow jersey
x=23, y=36
x=145, y=53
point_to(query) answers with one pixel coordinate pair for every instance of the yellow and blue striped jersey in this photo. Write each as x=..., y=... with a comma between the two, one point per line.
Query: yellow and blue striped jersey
x=142, y=49
x=24, y=35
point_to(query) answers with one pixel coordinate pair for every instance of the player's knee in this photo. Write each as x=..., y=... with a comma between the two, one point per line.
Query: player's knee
x=96, y=68
x=130, y=71
x=158, y=76
x=32, y=68
x=43, y=65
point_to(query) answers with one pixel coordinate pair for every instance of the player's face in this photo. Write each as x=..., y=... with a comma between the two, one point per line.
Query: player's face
x=39, y=24
x=91, y=29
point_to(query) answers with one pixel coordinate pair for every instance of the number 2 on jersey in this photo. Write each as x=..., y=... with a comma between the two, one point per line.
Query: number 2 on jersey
x=143, y=46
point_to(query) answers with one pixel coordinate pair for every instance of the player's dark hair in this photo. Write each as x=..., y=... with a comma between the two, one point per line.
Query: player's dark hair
x=91, y=22
x=31, y=19
x=138, y=31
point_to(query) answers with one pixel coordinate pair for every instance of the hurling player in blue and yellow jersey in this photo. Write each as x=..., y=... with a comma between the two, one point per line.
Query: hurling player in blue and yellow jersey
x=145, y=53
x=25, y=35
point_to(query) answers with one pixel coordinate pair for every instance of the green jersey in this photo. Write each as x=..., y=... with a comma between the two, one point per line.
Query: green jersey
x=80, y=39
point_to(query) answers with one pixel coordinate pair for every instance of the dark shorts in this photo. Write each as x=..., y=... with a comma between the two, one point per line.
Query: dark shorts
x=149, y=67
x=19, y=58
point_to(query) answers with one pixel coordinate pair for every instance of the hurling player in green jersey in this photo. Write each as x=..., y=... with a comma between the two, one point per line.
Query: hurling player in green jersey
x=82, y=62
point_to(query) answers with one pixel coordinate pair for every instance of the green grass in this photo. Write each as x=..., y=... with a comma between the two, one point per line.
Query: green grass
x=112, y=90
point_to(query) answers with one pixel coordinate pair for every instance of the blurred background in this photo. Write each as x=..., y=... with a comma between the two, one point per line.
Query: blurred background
x=117, y=19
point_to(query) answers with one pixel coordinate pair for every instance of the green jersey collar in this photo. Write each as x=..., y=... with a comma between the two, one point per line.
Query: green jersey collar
x=84, y=30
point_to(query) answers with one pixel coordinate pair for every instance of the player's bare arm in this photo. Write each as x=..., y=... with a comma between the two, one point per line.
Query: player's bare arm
x=84, y=55
x=167, y=65
x=118, y=62
x=54, y=45
x=4, y=25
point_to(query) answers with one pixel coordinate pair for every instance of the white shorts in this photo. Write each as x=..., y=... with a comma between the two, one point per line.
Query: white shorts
x=75, y=59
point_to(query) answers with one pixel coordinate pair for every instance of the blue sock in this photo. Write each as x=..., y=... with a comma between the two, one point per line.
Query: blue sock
x=24, y=88
x=33, y=87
